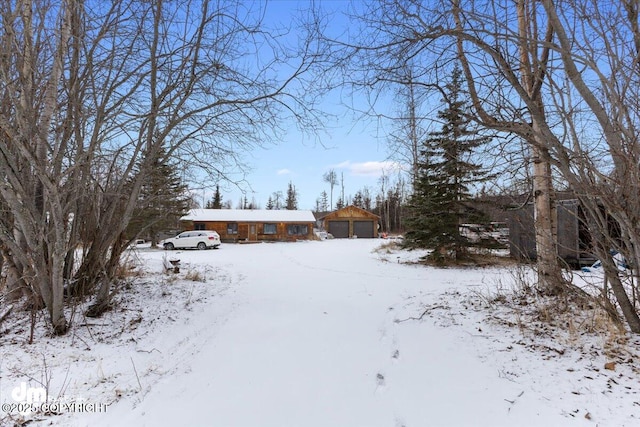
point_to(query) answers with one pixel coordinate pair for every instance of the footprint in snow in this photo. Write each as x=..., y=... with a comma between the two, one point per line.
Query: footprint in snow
x=400, y=422
x=380, y=382
x=396, y=355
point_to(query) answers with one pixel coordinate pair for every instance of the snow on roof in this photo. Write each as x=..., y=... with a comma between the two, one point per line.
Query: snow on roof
x=249, y=215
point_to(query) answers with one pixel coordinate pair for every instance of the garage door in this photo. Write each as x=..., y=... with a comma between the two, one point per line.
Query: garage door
x=339, y=229
x=363, y=229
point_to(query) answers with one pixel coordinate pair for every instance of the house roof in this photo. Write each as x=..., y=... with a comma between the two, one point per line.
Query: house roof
x=350, y=211
x=249, y=215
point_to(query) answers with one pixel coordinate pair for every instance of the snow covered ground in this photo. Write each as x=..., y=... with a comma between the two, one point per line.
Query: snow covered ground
x=331, y=333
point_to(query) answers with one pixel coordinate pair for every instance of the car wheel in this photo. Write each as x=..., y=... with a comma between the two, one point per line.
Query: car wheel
x=202, y=246
x=168, y=246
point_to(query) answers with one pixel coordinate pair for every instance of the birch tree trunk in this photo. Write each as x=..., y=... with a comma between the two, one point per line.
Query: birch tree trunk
x=549, y=273
x=532, y=72
x=28, y=146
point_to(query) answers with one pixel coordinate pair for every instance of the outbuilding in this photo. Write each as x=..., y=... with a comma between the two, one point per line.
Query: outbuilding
x=252, y=225
x=351, y=221
x=574, y=243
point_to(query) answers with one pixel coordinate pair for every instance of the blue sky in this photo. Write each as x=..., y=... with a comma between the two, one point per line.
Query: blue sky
x=351, y=149
x=355, y=149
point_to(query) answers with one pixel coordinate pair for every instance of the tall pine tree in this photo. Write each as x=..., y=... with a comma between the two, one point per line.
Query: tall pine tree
x=440, y=202
x=292, y=197
x=162, y=201
x=270, y=204
x=216, y=200
x=324, y=202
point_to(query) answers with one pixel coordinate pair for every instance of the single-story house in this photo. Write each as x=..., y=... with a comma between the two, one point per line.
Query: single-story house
x=351, y=221
x=252, y=225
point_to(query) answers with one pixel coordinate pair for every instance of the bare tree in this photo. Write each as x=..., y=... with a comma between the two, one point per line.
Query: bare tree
x=92, y=96
x=383, y=202
x=342, y=188
x=33, y=148
x=278, y=200
x=405, y=142
x=599, y=86
x=331, y=178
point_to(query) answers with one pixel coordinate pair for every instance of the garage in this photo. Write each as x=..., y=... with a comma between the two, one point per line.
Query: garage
x=363, y=229
x=339, y=229
x=351, y=221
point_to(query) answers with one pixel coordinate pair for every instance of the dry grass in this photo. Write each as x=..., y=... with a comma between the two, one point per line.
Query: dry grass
x=557, y=323
x=129, y=269
x=479, y=259
x=195, y=276
x=388, y=247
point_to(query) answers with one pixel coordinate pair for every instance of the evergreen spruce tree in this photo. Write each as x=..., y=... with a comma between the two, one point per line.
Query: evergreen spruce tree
x=216, y=201
x=440, y=200
x=163, y=200
x=324, y=202
x=292, y=198
x=358, y=200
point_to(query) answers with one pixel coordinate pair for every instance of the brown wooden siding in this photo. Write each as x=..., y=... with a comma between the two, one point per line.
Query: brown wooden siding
x=244, y=228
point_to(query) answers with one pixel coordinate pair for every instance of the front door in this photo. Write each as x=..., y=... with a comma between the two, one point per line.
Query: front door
x=253, y=235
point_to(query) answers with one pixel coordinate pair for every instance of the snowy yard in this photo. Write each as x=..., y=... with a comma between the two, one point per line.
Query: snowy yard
x=332, y=333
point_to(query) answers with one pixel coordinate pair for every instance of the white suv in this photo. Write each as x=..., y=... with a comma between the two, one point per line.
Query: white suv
x=200, y=239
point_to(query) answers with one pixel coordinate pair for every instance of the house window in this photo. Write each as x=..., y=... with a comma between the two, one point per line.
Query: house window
x=269, y=229
x=297, y=230
x=232, y=228
x=198, y=226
